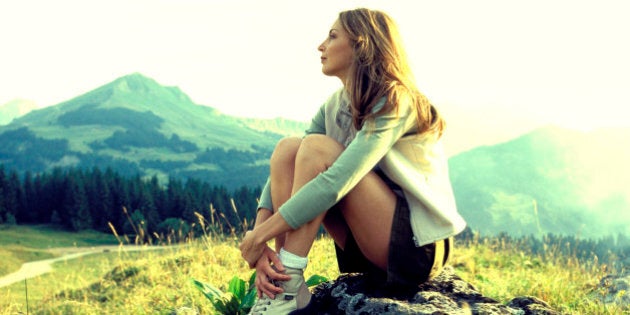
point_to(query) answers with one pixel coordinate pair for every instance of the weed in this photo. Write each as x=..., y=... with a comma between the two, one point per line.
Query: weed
x=238, y=299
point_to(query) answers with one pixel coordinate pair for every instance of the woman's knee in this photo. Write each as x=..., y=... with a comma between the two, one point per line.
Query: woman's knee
x=285, y=150
x=320, y=147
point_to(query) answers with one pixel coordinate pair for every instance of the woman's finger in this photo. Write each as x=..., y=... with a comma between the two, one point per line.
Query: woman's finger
x=271, y=289
x=273, y=257
x=265, y=286
x=275, y=272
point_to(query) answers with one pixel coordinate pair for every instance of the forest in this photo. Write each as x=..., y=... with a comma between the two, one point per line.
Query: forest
x=76, y=199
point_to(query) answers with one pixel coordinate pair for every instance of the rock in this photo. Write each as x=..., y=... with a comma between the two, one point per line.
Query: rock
x=614, y=289
x=446, y=294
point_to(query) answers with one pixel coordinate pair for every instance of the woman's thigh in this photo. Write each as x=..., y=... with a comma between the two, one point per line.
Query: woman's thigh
x=368, y=211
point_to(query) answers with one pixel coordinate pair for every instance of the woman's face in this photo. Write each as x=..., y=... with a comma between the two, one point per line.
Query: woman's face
x=336, y=52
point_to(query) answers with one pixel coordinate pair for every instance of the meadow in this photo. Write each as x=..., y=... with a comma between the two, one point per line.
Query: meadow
x=161, y=281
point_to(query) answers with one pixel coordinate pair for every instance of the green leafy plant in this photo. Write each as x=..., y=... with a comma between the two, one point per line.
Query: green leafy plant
x=239, y=298
x=241, y=295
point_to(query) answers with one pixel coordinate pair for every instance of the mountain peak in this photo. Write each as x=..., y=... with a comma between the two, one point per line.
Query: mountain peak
x=135, y=82
x=140, y=89
x=136, y=76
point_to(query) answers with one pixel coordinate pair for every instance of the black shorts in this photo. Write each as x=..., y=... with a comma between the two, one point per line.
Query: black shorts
x=408, y=265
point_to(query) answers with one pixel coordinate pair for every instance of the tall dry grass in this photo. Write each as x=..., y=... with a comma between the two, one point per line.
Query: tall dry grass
x=160, y=281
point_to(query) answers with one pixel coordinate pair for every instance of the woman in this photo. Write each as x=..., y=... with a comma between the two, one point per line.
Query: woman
x=370, y=169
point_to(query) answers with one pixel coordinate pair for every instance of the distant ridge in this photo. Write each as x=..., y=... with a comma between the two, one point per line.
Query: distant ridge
x=136, y=125
x=552, y=180
x=15, y=109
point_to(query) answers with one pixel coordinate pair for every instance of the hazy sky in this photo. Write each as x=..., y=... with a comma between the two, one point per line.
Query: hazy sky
x=563, y=62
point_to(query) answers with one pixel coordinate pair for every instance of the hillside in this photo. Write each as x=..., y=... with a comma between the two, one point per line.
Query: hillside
x=550, y=180
x=135, y=125
x=14, y=109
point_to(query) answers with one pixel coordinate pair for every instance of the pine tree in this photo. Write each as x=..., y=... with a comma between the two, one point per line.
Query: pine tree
x=158, y=193
x=52, y=195
x=147, y=207
x=3, y=188
x=99, y=200
x=76, y=205
x=119, y=196
x=28, y=215
x=41, y=210
x=174, y=199
x=14, y=195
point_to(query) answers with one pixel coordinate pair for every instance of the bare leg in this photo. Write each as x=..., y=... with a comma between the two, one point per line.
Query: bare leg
x=367, y=210
x=315, y=155
x=282, y=164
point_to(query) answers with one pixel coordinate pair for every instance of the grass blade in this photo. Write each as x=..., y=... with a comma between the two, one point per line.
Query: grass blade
x=315, y=280
x=208, y=290
x=237, y=287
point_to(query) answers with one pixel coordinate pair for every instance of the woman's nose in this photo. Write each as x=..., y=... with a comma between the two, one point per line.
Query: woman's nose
x=321, y=47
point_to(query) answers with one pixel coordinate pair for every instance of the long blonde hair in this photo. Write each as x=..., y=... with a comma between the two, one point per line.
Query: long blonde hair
x=380, y=69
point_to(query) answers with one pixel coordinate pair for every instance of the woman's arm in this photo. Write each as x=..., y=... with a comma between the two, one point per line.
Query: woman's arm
x=368, y=147
x=321, y=193
x=255, y=241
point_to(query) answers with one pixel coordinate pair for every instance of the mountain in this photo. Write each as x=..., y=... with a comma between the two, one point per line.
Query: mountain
x=468, y=127
x=137, y=126
x=549, y=180
x=14, y=109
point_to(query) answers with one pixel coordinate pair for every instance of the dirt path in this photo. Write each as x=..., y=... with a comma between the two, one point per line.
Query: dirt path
x=40, y=267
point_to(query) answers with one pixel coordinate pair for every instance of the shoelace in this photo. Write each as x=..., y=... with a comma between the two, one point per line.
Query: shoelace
x=263, y=302
x=261, y=305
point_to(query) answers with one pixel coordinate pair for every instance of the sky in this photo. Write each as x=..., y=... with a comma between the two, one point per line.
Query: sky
x=554, y=62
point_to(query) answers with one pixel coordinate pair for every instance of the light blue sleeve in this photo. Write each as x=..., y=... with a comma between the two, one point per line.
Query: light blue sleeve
x=369, y=146
x=318, y=123
x=264, y=202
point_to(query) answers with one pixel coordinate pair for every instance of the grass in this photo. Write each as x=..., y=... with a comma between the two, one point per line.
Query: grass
x=149, y=282
x=68, y=275
x=14, y=256
x=503, y=271
x=160, y=282
x=20, y=244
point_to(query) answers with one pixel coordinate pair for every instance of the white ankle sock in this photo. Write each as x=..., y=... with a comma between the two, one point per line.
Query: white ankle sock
x=291, y=260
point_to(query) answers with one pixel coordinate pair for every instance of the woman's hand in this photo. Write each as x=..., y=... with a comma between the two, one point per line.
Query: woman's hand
x=269, y=267
x=258, y=255
x=250, y=250
x=255, y=241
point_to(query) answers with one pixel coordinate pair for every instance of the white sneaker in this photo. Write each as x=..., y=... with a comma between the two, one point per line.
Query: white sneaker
x=295, y=296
